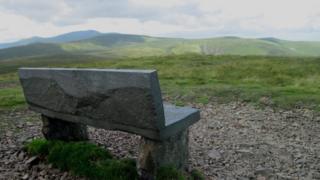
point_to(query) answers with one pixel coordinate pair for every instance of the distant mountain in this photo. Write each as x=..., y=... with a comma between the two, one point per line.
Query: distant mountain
x=111, y=45
x=63, y=38
x=111, y=39
x=271, y=39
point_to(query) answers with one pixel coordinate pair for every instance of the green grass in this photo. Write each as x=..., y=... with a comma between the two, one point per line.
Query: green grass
x=286, y=81
x=88, y=160
x=84, y=159
x=169, y=172
x=11, y=65
x=11, y=97
x=141, y=46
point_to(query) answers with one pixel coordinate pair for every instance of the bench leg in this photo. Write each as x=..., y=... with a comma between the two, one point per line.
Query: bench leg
x=56, y=129
x=154, y=154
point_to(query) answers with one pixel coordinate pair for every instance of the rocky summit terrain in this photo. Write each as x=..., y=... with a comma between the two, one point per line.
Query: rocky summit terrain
x=232, y=141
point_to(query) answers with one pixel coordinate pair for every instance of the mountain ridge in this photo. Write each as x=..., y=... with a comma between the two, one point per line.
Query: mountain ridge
x=106, y=45
x=62, y=38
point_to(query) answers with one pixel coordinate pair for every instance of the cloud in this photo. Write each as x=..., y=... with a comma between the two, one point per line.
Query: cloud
x=187, y=18
x=11, y=31
x=42, y=11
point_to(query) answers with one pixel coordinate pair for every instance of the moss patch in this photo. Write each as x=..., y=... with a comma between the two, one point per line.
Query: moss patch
x=84, y=159
x=88, y=160
x=171, y=173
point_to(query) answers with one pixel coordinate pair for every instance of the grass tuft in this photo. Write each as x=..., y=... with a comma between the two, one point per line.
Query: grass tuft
x=196, y=175
x=169, y=173
x=38, y=147
x=11, y=97
x=84, y=159
x=88, y=160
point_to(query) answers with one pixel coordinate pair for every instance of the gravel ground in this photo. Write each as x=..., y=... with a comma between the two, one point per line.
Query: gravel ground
x=231, y=141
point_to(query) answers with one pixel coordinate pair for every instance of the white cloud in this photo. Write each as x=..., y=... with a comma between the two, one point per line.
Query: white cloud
x=161, y=4
x=129, y=25
x=273, y=14
x=11, y=31
x=37, y=10
x=16, y=27
x=190, y=18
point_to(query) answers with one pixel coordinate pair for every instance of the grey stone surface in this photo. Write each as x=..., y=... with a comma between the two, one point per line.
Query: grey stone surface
x=177, y=119
x=171, y=151
x=127, y=100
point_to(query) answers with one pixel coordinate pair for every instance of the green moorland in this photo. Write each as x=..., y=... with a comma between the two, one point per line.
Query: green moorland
x=125, y=45
x=283, y=82
x=138, y=46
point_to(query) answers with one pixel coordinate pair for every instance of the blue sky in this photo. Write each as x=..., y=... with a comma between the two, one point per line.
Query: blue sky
x=286, y=19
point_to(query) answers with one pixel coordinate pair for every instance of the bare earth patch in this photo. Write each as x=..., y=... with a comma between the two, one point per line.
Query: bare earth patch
x=231, y=141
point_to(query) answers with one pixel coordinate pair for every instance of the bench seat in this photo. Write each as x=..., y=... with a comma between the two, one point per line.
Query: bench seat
x=178, y=118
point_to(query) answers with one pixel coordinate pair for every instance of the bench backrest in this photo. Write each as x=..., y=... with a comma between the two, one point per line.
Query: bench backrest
x=128, y=100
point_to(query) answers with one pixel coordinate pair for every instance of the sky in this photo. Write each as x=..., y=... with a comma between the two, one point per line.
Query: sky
x=285, y=19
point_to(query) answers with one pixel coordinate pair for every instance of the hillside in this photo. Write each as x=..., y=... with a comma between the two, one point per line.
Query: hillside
x=31, y=50
x=125, y=45
x=63, y=38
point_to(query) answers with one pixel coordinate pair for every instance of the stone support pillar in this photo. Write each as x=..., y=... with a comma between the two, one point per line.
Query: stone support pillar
x=56, y=129
x=154, y=154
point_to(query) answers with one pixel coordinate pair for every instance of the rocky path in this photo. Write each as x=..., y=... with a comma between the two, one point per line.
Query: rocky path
x=232, y=141
x=238, y=141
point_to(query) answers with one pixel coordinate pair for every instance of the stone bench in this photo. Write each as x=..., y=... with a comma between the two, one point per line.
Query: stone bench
x=125, y=100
